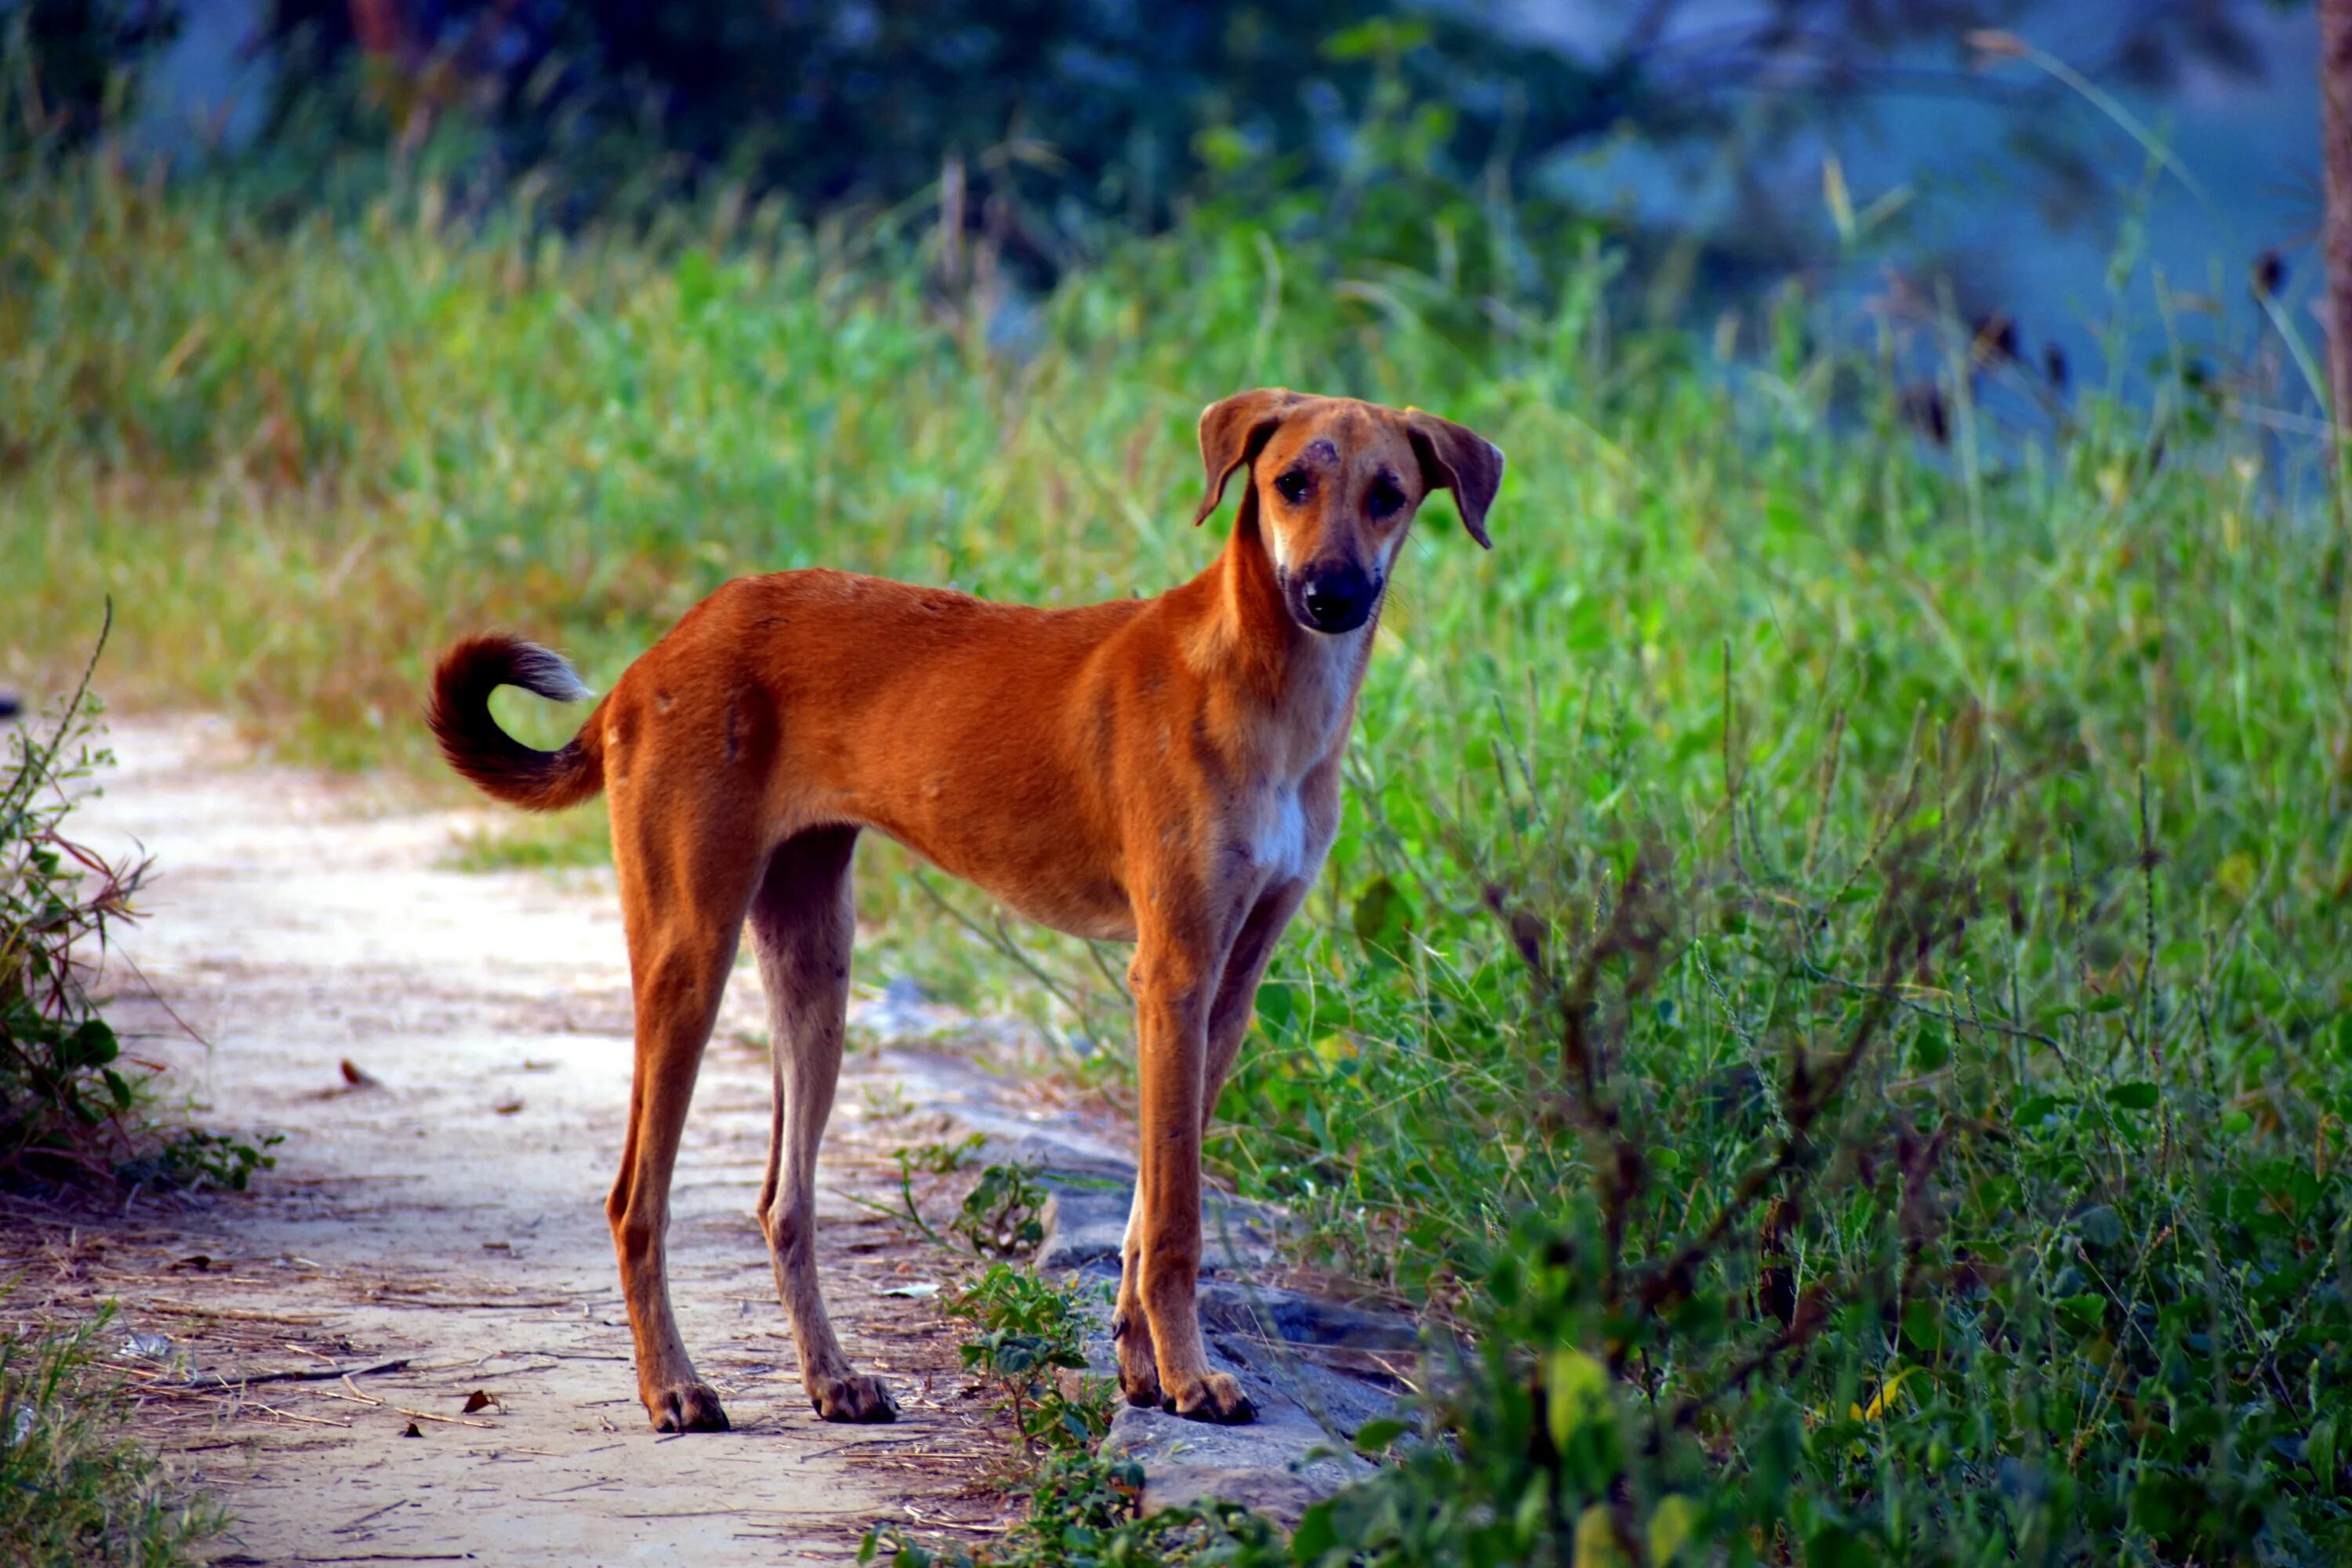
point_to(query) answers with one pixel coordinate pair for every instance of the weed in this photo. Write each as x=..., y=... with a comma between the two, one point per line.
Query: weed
x=1001, y=1217
x=68, y=1109
x=936, y=1159
x=939, y=1159
x=1027, y=1334
x=73, y=1491
x=536, y=844
x=60, y=1090
x=180, y=1158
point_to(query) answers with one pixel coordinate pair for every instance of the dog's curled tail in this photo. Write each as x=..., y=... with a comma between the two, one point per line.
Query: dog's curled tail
x=496, y=763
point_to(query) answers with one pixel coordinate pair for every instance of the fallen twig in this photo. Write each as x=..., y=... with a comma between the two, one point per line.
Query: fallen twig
x=228, y=1314
x=371, y=1513
x=445, y=1420
x=289, y=1415
x=212, y=1380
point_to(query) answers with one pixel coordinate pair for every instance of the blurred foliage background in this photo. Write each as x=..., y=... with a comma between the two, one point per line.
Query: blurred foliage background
x=1720, y=143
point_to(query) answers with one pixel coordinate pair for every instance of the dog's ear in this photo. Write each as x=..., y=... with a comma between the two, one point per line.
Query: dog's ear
x=1454, y=457
x=1233, y=433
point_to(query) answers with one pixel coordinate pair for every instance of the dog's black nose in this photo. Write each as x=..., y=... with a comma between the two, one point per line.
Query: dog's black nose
x=1336, y=597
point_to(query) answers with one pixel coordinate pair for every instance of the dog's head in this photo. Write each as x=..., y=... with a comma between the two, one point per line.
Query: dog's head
x=1337, y=483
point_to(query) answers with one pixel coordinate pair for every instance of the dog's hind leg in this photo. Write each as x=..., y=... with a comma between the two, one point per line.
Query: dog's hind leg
x=804, y=920
x=683, y=894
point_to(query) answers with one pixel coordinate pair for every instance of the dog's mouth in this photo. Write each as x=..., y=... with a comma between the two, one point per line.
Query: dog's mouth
x=1332, y=600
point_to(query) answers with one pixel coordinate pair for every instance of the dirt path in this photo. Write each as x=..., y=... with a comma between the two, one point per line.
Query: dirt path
x=452, y=1218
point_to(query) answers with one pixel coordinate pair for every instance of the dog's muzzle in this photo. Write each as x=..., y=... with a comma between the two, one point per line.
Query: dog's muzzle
x=1331, y=597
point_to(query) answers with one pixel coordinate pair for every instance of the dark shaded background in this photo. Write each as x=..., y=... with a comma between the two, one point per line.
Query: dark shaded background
x=1701, y=137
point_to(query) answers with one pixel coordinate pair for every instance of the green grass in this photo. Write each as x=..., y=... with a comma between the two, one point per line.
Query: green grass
x=73, y=1491
x=2020, y=768
x=561, y=842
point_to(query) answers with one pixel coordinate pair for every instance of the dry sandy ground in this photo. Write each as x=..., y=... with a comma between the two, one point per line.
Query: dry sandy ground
x=452, y=1218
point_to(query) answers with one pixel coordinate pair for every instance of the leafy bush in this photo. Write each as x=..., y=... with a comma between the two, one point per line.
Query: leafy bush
x=1027, y=1334
x=1786, y=1226
x=60, y=1087
x=1869, y=1323
x=67, y=1111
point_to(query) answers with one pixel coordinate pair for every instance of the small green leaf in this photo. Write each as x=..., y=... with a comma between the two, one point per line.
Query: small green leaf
x=2135, y=1096
x=2083, y=1313
x=1577, y=1393
x=1373, y=38
x=2099, y=1226
x=91, y=1045
x=1374, y=1437
x=1380, y=919
x=1672, y=1524
x=1923, y=1328
x=1835, y=1546
x=1596, y=1539
x=1316, y=1535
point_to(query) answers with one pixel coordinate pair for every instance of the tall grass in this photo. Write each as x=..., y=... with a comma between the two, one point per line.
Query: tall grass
x=1766, y=719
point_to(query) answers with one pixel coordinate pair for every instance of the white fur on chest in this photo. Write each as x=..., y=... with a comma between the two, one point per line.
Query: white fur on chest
x=1282, y=837
x=1287, y=845
x=1288, y=842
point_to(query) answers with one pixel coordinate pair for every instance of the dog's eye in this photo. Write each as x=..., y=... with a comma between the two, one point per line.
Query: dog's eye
x=1293, y=486
x=1385, y=497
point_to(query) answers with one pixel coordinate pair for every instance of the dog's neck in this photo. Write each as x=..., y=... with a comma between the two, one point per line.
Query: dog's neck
x=1306, y=680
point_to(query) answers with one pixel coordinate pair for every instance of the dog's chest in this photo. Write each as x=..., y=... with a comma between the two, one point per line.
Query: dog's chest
x=1288, y=842
x=1289, y=826
x=1282, y=837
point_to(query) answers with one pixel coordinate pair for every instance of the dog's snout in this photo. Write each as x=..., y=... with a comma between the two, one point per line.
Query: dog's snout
x=1333, y=597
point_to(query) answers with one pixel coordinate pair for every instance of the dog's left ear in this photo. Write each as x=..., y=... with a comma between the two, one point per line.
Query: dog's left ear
x=1235, y=431
x=1455, y=458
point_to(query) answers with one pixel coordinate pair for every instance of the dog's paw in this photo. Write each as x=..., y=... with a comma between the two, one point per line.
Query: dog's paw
x=1216, y=1399
x=1139, y=1373
x=860, y=1398
x=1141, y=1388
x=686, y=1408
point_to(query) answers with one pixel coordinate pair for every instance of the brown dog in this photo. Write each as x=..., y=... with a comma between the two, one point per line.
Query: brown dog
x=1165, y=771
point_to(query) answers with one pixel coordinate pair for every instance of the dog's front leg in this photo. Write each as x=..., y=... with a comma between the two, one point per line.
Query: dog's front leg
x=1229, y=1020
x=1174, y=980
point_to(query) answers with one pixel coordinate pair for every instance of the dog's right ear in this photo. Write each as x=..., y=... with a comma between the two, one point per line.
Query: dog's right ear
x=1233, y=433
